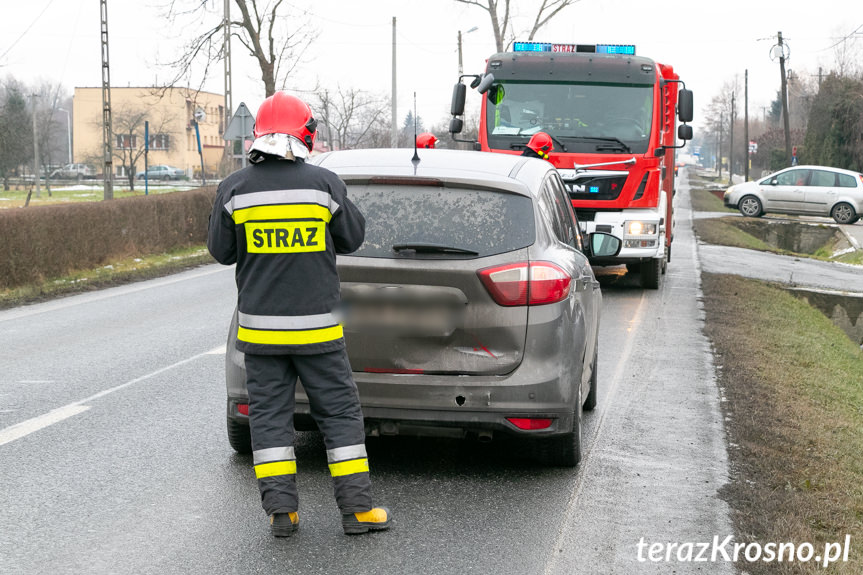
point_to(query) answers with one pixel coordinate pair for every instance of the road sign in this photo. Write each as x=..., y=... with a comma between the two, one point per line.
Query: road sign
x=241, y=124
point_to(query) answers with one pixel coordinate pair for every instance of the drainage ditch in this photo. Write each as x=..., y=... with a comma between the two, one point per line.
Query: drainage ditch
x=844, y=310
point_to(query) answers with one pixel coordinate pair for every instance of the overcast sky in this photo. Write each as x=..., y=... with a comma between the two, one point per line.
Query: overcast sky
x=707, y=43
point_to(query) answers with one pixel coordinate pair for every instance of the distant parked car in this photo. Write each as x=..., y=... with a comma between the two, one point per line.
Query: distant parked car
x=470, y=309
x=811, y=190
x=162, y=172
x=74, y=171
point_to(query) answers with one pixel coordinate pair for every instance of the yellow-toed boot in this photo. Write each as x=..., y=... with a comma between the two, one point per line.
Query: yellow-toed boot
x=284, y=524
x=373, y=520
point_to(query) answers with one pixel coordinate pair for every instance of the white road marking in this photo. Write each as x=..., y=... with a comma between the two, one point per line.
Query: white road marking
x=36, y=381
x=27, y=427
x=221, y=350
x=34, y=424
x=71, y=301
x=608, y=400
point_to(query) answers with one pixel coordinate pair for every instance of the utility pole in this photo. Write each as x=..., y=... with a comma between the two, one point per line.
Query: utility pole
x=394, y=138
x=747, y=159
x=785, y=119
x=229, y=105
x=36, y=148
x=460, y=67
x=819, y=79
x=721, y=121
x=731, y=145
x=107, y=129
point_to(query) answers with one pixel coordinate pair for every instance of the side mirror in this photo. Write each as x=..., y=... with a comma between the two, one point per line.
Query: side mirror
x=456, y=125
x=602, y=245
x=684, y=132
x=773, y=182
x=458, y=96
x=660, y=152
x=485, y=83
x=684, y=105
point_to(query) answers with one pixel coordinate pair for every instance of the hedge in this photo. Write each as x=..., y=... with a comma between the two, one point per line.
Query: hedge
x=44, y=242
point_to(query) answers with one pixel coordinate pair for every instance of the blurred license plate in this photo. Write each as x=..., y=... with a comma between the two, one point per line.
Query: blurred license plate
x=401, y=319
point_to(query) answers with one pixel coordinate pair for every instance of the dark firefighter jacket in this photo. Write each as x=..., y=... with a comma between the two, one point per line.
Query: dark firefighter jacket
x=283, y=222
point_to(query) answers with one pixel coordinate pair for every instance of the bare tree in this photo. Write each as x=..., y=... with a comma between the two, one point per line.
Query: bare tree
x=16, y=129
x=274, y=40
x=128, y=133
x=350, y=116
x=501, y=16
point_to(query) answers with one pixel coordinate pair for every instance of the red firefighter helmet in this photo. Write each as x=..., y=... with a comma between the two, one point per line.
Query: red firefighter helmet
x=541, y=143
x=426, y=140
x=282, y=113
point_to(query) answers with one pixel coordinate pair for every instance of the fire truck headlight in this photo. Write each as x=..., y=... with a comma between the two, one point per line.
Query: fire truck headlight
x=638, y=228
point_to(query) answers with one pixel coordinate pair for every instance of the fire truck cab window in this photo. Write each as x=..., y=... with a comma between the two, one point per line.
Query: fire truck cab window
x=574, y=113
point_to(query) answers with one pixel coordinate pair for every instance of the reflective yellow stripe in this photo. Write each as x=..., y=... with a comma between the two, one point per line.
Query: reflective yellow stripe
x=275, y=468
x=298, y=337
x=349, y=467
x=283, y=212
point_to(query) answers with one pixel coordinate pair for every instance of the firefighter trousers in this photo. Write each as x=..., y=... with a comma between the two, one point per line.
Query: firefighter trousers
x=335, y=407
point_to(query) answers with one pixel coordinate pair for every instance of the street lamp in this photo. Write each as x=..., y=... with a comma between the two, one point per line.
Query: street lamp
x=460, y=68
x=68, y=131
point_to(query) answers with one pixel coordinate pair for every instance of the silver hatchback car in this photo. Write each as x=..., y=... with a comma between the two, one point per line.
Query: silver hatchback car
x=470, y=309
x=812, y=190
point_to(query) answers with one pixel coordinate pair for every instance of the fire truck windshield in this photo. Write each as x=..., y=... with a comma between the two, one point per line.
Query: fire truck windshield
x=586, y=118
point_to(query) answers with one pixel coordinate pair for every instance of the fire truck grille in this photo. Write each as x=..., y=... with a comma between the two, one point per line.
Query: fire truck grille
x=602, y=188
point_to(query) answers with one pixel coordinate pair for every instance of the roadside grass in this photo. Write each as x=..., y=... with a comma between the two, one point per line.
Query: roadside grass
x=85, y=192
x=114, y=273
x=725, y=232
x=703, y=200
x=793, y=400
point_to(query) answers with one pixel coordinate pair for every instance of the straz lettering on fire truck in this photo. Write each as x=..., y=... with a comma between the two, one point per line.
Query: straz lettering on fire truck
x=285, y=237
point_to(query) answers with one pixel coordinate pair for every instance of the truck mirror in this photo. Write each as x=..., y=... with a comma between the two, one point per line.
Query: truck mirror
x=458, y=96
x=456, y=125
x=684, y=132
x=660, y=152
x=684, y=105
x=485, y=83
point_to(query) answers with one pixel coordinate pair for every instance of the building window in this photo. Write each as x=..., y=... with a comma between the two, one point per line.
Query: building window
x=127, y=141
x=159, y=142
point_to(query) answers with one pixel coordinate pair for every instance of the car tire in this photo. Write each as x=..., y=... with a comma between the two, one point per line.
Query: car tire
x=563, y=450
x=590, y=402
x=239, y=436
x=843, y=213
x=651, y=271
x=750, y=206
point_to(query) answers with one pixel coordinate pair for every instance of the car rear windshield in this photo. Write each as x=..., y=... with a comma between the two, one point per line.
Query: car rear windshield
x=481, y=221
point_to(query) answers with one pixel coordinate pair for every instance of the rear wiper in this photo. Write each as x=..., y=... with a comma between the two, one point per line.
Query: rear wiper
x=433, y=248
x=619, y=144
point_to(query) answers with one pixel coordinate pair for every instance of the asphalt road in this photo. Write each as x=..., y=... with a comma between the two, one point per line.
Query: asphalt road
x=114, y=459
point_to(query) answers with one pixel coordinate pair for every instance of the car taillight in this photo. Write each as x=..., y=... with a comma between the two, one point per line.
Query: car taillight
x=243, y=408
x=528, y=424
x=524, y=283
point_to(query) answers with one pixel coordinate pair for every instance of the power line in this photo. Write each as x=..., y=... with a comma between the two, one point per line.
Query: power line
x=24, y=33
x=844, y=38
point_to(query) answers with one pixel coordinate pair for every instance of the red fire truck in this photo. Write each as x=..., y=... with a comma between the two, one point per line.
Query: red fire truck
x=612, y=116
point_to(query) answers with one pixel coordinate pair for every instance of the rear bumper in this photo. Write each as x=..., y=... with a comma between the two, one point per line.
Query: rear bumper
x=456, y=423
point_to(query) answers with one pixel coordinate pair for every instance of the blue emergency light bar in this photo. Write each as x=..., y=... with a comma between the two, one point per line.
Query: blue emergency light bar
x=625, y=49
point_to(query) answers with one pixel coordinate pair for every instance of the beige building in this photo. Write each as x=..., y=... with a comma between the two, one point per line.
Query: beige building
x=171, y=114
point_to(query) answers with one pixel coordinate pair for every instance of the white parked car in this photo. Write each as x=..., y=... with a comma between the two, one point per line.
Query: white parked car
x=810, y=190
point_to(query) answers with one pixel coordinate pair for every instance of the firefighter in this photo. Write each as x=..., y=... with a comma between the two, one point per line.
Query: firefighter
x=282, y=221
x=426, y=140
x=539, y=146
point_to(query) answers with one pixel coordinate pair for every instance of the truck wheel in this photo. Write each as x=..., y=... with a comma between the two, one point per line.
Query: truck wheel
x=563, y=450
x=651, y=271
x=239, y=436
x=590, y=402
x=843, y=213
x=750, y=206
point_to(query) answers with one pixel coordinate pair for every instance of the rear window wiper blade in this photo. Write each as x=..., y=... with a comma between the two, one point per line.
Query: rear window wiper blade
x=433, y=248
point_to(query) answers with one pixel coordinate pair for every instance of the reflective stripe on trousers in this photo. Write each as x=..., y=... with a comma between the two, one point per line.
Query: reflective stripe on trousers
x=335, y=407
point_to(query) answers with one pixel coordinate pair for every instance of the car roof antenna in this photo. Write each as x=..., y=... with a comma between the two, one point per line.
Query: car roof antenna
x=416, y=159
